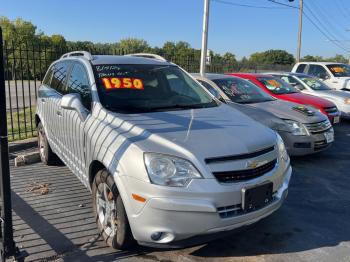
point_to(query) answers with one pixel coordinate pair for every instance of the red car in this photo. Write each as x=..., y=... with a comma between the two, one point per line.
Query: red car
x=284, y=91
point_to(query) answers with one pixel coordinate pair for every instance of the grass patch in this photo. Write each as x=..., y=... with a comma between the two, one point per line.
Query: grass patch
x=22, y=125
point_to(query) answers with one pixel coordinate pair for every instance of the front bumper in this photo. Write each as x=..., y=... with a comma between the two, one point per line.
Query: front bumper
x=334, y=117
x=304, y=145
x=180, y=217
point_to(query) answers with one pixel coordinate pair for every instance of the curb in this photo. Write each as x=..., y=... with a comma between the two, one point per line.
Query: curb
x=27, y=159
x=23, y=144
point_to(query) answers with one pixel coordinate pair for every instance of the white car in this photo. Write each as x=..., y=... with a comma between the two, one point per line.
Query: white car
x=313, y=86
x=167, y=163
x=335, y=75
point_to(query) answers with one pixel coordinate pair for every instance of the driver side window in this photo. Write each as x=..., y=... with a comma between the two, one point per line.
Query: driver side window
x=78, y=82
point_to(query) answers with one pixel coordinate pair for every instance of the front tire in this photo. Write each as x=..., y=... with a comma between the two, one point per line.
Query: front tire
x=110, y=214
x=46, y=155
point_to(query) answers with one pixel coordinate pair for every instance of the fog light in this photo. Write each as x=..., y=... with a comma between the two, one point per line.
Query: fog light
x=156, y=236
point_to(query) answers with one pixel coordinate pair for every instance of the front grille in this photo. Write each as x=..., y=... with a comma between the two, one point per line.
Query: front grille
x=230, y=211
x=319, y=127
x=239, y=157
x=319, y=145
x=243, y=175
x=331, y=110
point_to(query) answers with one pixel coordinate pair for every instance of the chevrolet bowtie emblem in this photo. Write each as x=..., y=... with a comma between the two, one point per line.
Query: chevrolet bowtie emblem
x=251, y=164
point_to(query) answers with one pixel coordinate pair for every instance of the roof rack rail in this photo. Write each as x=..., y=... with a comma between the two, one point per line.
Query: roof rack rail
x=85, y=54
x=149, y=55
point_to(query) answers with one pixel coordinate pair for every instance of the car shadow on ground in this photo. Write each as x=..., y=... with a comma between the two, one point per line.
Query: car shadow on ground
x=60, y=225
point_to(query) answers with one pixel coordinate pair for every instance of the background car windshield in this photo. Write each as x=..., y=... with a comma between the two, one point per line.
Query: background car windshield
x=277, y=86
x=339, y=70
x=314, y=83
x=242, y=91
x=143, y=88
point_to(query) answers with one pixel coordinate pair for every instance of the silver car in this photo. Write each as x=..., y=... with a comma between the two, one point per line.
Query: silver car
x=313, y=86
x=304, y=130
x=165, y=161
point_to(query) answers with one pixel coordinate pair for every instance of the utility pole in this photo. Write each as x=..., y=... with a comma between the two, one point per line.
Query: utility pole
x=204, y=37
x=300, y=29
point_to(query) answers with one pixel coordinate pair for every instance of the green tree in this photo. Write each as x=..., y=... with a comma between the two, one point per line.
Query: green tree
x=339, y=59
x=271, y=57
x=311, y=58
x=133, y=45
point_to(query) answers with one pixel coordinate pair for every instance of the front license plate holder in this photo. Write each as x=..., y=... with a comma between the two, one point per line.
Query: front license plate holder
x=254, y=198
x=336, y=120
x=329, y=136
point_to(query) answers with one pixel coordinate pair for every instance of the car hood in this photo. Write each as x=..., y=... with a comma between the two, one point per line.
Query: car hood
x=284, y=110
x=260, y=114
x=203, y=133
x=334, y=94
x=306, y=99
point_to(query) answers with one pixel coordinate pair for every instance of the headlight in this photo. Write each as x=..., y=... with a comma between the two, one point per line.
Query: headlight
x=298, y=129
x=169, y=170
x=347, y=100
x=282, y=149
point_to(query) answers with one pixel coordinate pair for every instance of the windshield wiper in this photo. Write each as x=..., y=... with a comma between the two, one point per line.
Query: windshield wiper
x=179, y=106
x=132, y=109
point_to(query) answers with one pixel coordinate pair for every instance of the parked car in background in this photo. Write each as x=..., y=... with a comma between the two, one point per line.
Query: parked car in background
x=164, y=159
x=304, y=131
x=282, y=90
x=313, y=86
x=335, y=75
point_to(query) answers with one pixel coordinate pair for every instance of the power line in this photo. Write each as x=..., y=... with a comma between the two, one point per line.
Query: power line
x=323, y=33
x=331, y=23
x=314, y=24
x=245, y=5
x=278, y=3
x=325, y=29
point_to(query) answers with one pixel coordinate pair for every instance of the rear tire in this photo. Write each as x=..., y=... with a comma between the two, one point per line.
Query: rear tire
x=46, y=155
x=110, y=215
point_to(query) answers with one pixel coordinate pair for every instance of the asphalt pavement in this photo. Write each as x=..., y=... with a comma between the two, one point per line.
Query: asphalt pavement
x=312, y=225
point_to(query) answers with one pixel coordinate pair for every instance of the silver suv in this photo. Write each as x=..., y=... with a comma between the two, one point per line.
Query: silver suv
x=164, y=159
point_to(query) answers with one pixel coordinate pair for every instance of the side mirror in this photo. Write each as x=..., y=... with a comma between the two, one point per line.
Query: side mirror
x=73, y=102
x=324, y=77
x=299, y=87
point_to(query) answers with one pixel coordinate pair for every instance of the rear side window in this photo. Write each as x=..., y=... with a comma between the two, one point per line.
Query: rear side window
x=301, y=68
x=78, y=82
x=59, y=76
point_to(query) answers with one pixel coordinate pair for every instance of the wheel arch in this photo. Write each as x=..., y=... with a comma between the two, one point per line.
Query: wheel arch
x=94, y=168
x=37, y=120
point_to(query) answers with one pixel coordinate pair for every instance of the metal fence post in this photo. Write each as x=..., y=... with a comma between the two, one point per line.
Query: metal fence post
x=8, y=248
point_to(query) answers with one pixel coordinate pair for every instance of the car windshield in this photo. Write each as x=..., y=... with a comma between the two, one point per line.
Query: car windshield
x=340, y=70
x=314, y=83
x=277, y=86
x=149, y=88
x=242, y=91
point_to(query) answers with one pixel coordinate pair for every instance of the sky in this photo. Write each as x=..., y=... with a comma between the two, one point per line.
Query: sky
x=241, y=30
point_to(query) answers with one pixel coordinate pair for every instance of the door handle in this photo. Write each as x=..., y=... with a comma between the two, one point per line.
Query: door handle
x=59, y=113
